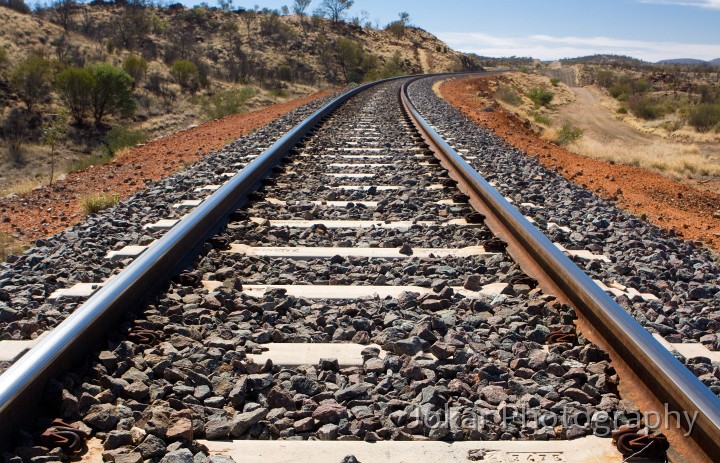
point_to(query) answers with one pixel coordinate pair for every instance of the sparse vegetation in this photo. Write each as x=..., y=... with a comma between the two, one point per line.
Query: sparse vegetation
x=120, y=137
x=175, y=78
x=97, y=202
x=568, y=134
x=508, y=95
x=9, y=246
x=227, y=102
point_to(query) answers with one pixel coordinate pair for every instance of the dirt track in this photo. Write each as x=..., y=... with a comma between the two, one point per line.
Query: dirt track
x=587, y=113
x=686, y=211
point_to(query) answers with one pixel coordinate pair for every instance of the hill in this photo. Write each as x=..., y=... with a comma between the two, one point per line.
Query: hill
x=683, y=61
x=187, y=65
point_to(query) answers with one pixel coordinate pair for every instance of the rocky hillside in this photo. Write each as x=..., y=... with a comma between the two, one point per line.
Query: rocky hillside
x=187, y=65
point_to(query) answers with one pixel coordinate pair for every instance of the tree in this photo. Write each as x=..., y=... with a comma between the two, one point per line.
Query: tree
x=4, y=60
x=248, y=16
x=397, y=28
x=17, y=5
x=74, y=86
x=136, y=67
x=334, y=9
x=14, y=132
x=300, y=6
x=53, y=135
x=131, y=27
x=353, y=60
x=111, y=91
x=62, y=12
x=186, y=74
x=31, y=79
x=225, y=5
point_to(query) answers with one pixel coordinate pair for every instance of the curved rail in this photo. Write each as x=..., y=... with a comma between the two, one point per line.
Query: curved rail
x=23, y=384
x=662, y=374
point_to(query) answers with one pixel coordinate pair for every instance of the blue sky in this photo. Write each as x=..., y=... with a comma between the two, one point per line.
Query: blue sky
x=552, y=29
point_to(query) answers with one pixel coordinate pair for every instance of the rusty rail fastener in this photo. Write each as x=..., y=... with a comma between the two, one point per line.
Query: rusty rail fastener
x=60, y=434
x=558, y=336
x=140, y=335
x=632, y=440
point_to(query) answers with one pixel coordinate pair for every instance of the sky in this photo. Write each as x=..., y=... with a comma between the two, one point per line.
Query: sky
x=651, y=30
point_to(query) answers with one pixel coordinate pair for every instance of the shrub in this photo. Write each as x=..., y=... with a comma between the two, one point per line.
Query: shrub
x=554, y=82
x=136, y=67
x=15, y=131
x=4, y=60
x=119, y=137
x=396, y=28
x=540, y=96
x=704, y=117
x=646, y=106
x=540, y=119
x=568, y=134
x=74, y=86
x=508, y=95
x=111, y=91
x=98, y=202
x=186, y=74
x=31, y=79
x=625, y=86
x=226, y=102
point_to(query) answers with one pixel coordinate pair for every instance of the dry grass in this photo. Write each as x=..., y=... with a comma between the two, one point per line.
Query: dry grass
x=9, y=246
x=676, y=160
x=98, y=202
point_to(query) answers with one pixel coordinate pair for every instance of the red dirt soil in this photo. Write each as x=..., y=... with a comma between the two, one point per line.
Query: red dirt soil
x=49, y=210
x=689, y=213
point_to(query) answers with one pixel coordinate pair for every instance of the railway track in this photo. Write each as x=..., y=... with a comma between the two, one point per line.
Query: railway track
x=357, y=288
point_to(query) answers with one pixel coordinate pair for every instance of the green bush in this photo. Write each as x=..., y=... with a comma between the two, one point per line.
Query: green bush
x=704, y=117
x=227, y=102
x=646, y=106
x=568, y=134
x=31, y=79
x=508, y=95
x=136, y=67
x=119, y=137
x=186, y=74
x=98, y=202
x=111, y=91
x=74, y=86
x=554, y=82
x=540, y=96
x=625, y=86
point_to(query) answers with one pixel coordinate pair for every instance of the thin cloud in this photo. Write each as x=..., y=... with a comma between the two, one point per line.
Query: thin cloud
x=710, y=4
x=548, y=47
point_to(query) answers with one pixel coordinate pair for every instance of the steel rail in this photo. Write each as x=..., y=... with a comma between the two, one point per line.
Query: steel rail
x=23, y=384
x=662, y=374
